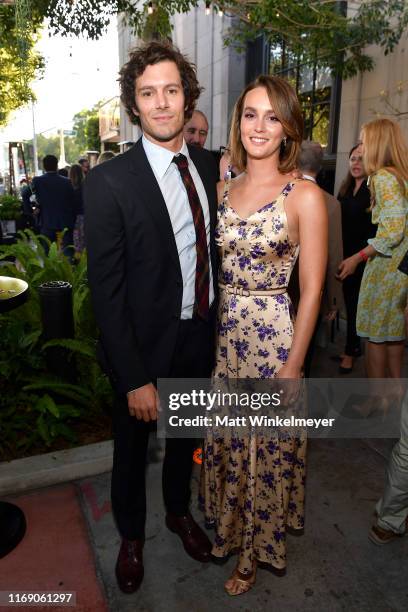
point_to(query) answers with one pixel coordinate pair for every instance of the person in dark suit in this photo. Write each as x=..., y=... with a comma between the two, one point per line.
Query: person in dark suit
x=55, y=197
x=149, y=223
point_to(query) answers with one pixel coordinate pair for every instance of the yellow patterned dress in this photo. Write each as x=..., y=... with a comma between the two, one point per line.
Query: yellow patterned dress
x=383, y=293
x=252, y=488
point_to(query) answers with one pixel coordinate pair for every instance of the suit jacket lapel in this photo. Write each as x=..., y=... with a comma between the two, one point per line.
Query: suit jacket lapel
x=148, y=190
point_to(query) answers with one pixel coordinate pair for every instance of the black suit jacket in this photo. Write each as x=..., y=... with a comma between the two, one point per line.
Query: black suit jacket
x=133, y=265
x=55, y=195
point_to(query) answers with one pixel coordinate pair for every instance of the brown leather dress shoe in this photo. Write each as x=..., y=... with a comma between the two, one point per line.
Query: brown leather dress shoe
x=129, y=566
x=195, y=542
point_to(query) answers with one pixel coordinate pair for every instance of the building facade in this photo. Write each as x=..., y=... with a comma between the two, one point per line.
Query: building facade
x=334, y=110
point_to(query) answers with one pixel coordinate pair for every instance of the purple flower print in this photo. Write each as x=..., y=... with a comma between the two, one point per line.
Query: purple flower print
x=228, y=277
x=272, y=447
x=244, y=312
x=243, y=261
x=217, y=459
x=288, y=457
x=277, y=225
x=282, y=354
x=258, y=231
x=279, y=535
x=281, y=248
x=269, y=550
x=287, y=189
x=223, y=352
x=261, y=286
x=231, y=323
x=268, y=478
x=262, y=304
x=248, y=505
x=219, y=541
x=241, y=347
x=264, y=331
x=263, y=515
x=260, y=453
x=268, y=206
x=259, y=267
x=263, y=353
x=257, y=251
x=280, y=299
x=232, y=478
x=265, y=371
x=237, y=444
x=233, y=502
x=242, y=282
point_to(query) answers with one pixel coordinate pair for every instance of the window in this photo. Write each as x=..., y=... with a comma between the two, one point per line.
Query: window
x=314, y=86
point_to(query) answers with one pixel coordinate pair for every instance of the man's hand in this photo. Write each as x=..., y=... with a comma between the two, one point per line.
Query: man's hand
x=143, y=403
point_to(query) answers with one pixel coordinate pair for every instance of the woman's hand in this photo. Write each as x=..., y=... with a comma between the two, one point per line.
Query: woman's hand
x=348, y=266
x=288, y=371
x=290, y=390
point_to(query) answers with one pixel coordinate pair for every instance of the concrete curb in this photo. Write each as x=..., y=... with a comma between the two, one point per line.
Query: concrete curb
x=39, y=471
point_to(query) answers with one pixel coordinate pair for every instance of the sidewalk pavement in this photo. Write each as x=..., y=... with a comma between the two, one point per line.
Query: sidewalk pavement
x=71, y=544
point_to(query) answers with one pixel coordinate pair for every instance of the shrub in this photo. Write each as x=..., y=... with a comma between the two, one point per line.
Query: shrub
x=36, y=406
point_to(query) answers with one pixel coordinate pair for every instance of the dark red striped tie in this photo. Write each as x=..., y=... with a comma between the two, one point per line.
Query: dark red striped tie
x=202, y=282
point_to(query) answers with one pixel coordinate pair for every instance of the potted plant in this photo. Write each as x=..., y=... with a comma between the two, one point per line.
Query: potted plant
x=10, y=213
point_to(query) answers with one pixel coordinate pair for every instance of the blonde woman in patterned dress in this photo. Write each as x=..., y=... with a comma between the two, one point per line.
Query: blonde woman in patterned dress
x=383, y=293
x=253, y=487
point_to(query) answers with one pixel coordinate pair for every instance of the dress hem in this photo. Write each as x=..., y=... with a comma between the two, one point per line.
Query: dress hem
x=379, y=340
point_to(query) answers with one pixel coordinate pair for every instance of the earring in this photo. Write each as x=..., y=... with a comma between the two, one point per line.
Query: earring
x=284, y=141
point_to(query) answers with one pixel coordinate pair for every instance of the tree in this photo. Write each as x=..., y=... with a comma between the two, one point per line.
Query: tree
x=86, y=128
x=19, y=63
x=321, y=30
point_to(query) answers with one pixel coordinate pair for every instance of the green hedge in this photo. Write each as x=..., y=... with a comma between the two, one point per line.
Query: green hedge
x=35, y=406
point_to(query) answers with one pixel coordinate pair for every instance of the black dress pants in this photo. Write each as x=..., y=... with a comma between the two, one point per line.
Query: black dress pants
x=351, y=290
x=193, y=358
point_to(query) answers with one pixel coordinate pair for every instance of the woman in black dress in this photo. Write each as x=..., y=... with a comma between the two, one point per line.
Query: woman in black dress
x=354, y=197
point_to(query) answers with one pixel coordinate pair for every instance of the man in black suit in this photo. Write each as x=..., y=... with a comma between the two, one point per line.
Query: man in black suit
x=55, y=197
x=149, y=220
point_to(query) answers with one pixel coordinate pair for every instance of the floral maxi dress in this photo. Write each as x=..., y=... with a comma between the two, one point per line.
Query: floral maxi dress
x=252, y=488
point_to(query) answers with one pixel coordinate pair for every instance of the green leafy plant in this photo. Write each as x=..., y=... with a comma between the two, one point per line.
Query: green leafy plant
x=36, y=407
x=10, y=208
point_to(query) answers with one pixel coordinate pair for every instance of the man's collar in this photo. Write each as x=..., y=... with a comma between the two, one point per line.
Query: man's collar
x=308, y=177
x=159, y=157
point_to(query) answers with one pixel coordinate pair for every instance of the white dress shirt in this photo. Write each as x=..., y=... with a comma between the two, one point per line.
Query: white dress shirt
x=175, y=195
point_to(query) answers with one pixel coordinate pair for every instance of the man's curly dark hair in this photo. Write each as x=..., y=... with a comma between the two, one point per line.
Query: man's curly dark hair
x=149, y=54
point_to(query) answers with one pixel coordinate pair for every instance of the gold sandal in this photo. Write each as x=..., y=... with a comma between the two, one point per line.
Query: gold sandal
x=240, y=583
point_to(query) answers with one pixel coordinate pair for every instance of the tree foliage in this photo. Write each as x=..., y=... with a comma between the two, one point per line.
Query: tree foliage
x=19, y=63
x=325, y=30
x=86, y=128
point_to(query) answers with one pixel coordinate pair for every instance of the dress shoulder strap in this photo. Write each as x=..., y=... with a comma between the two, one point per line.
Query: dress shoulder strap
x=227, y=185
x=289, y=186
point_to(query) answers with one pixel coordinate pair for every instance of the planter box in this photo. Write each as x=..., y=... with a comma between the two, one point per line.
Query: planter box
x=54, y=468
x=8, y=227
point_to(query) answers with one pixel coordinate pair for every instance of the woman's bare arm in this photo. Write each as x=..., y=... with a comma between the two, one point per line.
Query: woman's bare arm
x=310, y=208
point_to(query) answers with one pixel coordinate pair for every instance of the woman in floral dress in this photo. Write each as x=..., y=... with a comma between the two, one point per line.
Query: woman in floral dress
x=253, y=487
x=384, y=289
